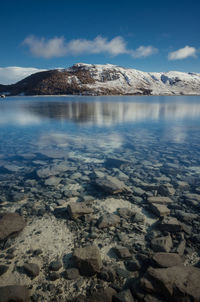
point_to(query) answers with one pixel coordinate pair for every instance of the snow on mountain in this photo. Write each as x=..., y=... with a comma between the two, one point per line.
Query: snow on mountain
x=90, y=79
x=132, y=81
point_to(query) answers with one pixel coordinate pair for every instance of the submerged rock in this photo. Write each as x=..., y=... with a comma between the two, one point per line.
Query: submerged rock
x=52, y=170
x=52, y=181
x=88, y=260
x=170, y=224
x=123, y=296
x=14, y=293
x=104, y=295
x=125, y=213
x=162, y=244
x=3, y=269
x=177, y=283
x=32, y=269
x=115, y=162
x=76, y=210
x=55, y=265
x=10, y=224
x=159, y=199
x=72, y=273
x=123, y=252
x=166, y=190
x=159, y=209
x=108, y=220
x=166, y=259
x=111, y=184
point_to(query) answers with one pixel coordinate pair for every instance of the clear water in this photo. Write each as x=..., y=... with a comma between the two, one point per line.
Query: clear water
x=159, y=136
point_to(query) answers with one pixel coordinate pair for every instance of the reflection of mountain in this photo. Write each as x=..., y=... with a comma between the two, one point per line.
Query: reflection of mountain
x=96, y=112
x=102, y=113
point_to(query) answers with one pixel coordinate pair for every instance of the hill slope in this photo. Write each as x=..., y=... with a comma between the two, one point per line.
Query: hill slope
x=106, y=79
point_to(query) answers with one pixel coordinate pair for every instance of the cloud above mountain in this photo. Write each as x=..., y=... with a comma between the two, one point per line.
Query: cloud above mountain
x=58, y=47
x=144, y=51
x=13, y=74
x=183, y=53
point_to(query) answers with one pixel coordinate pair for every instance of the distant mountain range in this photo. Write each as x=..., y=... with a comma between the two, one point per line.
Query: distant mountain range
x=89, y=79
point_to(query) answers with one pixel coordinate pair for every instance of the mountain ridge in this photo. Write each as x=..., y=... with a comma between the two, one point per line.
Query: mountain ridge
x=108, y=79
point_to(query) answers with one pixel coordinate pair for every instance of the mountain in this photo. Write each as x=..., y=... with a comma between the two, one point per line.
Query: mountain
x=89, y=79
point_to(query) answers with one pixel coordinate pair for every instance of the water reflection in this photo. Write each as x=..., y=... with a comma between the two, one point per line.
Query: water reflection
x=97, y=113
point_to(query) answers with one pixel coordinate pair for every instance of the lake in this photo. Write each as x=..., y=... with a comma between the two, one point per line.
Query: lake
x=109, y=153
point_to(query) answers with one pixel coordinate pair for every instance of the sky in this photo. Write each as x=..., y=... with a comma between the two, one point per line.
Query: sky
x=151, y=35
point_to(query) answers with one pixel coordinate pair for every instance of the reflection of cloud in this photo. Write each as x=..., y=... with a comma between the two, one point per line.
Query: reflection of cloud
x=178, y=134
x=62, y=140
x=19, y=119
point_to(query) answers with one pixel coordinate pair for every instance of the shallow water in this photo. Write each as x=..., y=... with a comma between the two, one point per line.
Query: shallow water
x=57, y=150
x=155, y=134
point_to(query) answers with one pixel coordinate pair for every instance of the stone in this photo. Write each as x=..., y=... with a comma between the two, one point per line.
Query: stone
x=123, y=252
x=12, y=168
x=121, y=272
x=162, y=244
x=72, y=273
x=125, y=212
x=182, y=185
x=166, y=259
x=138, y=218
x=151, y=298
x=44, y=172
x=54, y=153
x=3, y=269
x=190, y=196
x=123, y=296
x=108, y=220
x=52, y=181
x=176, y=283
x=111, y=184
x=53, y=276
x=55, y=265
x=16, y=196
x=104, y=295
x=159, y=199
x=133, y=265
x=170, y=224
x=115, y=162
x=32, y=269
x=76, y=210
x=166, y=190
x=108, y=274
x=186, y=217
x=181, y=247
x=10, y=224
x=88, y=260
x=159, y=209
x=138, y=191
x=14, y=293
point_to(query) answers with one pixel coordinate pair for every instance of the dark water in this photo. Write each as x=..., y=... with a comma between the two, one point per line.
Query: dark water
x=159, y=136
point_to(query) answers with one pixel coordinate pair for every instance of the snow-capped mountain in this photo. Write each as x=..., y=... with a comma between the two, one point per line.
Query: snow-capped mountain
x=89, y=79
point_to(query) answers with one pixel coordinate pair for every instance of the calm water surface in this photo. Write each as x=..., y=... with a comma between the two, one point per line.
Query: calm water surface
x=159, y=136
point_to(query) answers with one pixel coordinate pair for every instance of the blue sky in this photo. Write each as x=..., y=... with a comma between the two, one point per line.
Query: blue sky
x=146, y=35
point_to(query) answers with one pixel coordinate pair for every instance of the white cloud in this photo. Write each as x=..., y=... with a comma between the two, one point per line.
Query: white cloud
x=183, y=53
x=144, y=51
x=41, y=47
x=58, y=47
x=13, y=74
x=115, y=46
